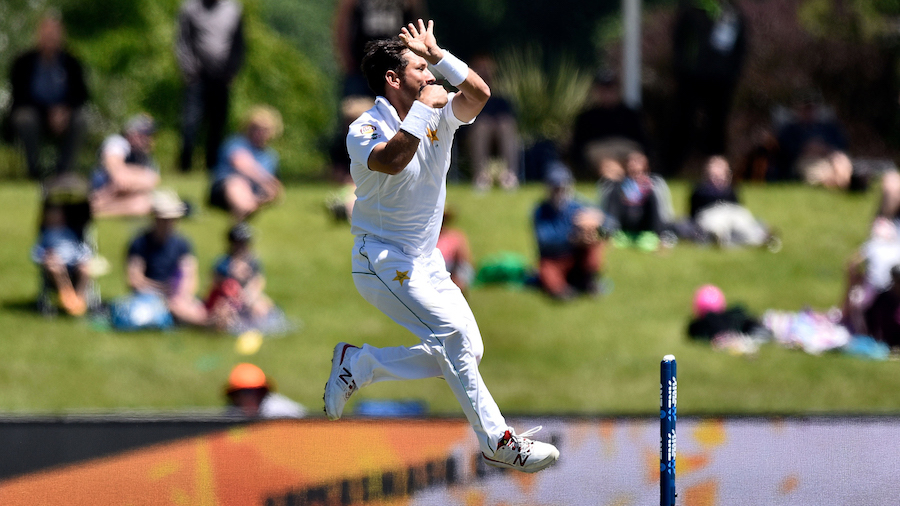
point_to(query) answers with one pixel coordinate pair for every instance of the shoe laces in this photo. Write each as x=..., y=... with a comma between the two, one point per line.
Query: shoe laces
x=518, y=442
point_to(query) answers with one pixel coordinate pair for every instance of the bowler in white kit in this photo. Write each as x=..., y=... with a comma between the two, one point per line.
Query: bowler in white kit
x=400, y=154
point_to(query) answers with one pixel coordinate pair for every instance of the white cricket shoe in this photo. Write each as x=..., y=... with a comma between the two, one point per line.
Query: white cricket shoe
x=340, y=385
x=519, y=452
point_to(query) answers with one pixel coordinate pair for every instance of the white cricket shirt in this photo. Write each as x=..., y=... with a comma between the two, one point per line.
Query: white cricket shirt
x=405, y=209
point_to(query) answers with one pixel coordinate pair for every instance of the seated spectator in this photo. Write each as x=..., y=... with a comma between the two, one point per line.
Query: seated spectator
x=251, y=394
x=244, y=178
x=569, y=239
x=605, y=132
x=812, y=146
x=869, y=273
x=883, y=316
x=889, y=207
x=48, y=95
x=127, y=174
x=641, y=204
x=340, y=203
x=716, y=213
x=454, y=247
x=760, y=162
x=495, y=131
x=161, y=262
x=64, y=256
x=237, y=301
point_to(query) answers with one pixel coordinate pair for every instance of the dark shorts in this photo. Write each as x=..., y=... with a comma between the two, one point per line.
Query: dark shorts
x=217, y=195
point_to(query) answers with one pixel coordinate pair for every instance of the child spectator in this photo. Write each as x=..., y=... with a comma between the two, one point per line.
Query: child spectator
x=454, y=248
x=236, y=301
x=64, y=258
x=127, y=174
x=640, y=203
x=244, y=177
x=568, y=238
x=251, y=394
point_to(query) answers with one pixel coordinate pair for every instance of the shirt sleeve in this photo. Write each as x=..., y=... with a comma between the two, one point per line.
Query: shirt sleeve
x=452, y=120
x=136, y=248
x=116, y=145
x=184, y=248
x=362, y=138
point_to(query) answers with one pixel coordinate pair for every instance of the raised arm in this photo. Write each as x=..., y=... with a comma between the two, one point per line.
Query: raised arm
x=473, y=91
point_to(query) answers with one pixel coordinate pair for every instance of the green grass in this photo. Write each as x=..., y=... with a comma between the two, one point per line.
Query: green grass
x=591, y=356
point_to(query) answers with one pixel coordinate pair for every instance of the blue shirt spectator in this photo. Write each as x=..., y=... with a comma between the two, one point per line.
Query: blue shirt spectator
x=244, y=178
x=266, y=157
x=553, y=227
x=161, y=259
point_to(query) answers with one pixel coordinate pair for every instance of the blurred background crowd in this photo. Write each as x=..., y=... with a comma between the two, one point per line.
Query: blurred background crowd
x=103, y=100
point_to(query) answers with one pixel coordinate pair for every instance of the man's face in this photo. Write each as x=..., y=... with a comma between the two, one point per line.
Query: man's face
x=560, y=195
x=140, y=142
x=163, y=227
x=50, y=35
x=415, y=75
x=259, y=134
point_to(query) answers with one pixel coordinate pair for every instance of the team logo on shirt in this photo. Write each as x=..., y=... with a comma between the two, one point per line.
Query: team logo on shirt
x=369, y=130
x=432, y=135
x=401, y=277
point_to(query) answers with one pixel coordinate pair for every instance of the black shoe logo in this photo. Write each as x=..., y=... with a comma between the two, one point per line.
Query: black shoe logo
x=347, y=378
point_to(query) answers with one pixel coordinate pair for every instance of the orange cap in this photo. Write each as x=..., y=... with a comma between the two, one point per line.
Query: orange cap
x=246, y=376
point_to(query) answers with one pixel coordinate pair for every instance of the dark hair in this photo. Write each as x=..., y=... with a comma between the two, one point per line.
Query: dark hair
x=382, y=55
x=240, y=233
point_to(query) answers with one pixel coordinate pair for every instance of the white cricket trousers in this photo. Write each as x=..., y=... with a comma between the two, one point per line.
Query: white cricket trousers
x=417, y=293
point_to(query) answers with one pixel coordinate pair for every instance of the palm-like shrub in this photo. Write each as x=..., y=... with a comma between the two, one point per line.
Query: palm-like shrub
x=546, y=102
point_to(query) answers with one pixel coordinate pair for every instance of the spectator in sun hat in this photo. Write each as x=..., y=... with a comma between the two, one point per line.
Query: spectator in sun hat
x=161, y=261
x=244, y=178
x=250, y=393
x=126, y=174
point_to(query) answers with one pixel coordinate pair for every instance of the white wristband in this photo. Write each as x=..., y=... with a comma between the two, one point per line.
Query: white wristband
x=454, y=70
x=417, y=119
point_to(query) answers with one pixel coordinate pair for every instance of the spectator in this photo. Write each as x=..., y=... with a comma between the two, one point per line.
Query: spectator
x=812, y=146
x=251, y=394
x=360, y=21
x=209, y=46
x=237, y=301
x=496, y=128
x=883, y=316
x=889, y=206
x=709, y=45
x=161, y=262
x=340, y=203
x=716, y=213
x=640, y=203
x=48, y=95
x=714, y=188
x=244, y=179
x=606, y=131
x=64, y=256
x=568, y=238
x=869, y=273
x=127, y=174
x=454, y=248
